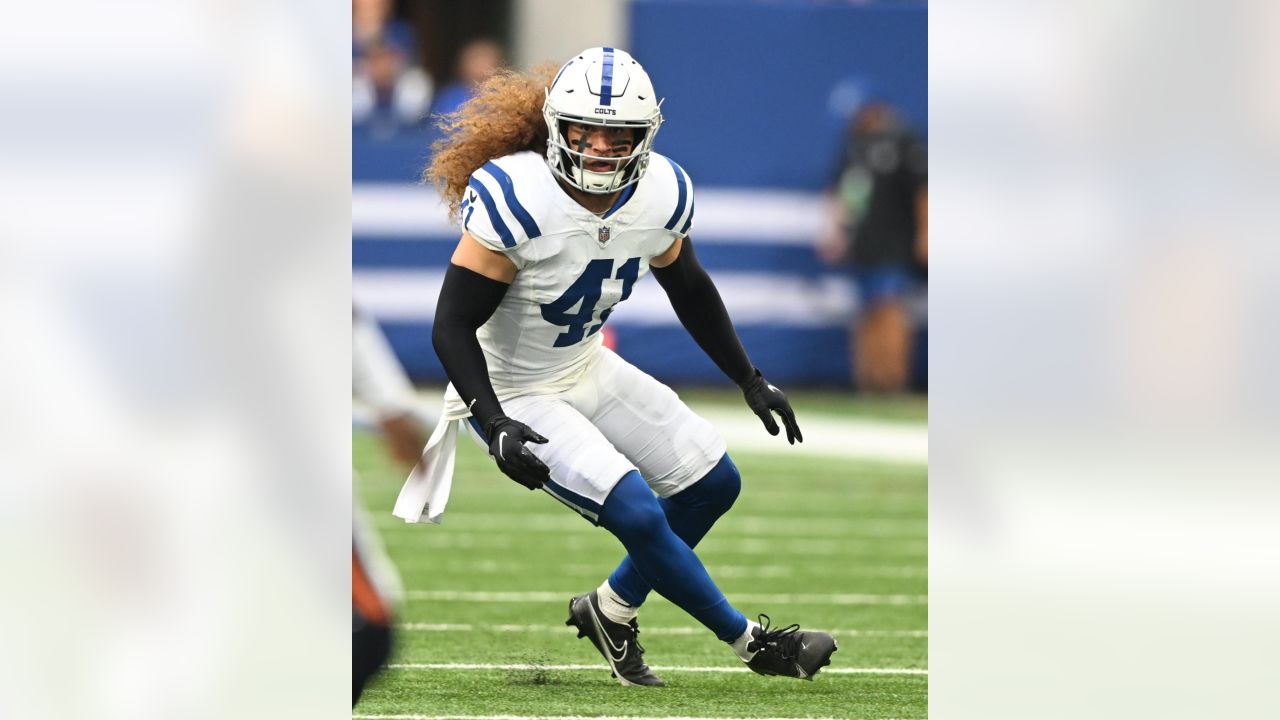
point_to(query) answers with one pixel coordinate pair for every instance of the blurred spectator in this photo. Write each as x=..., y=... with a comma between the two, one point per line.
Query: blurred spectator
x=372, y=21
x=477, y=62
x=879, y=227
x=388, y=89
x=388, y=93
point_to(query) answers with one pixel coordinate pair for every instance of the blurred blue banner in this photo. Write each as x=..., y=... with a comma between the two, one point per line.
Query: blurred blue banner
x=757, y=93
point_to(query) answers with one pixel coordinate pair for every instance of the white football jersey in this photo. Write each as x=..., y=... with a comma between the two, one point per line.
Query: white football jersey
x=573, y=266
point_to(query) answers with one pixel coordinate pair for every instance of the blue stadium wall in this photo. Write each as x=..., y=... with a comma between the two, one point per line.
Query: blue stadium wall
x=755, y=96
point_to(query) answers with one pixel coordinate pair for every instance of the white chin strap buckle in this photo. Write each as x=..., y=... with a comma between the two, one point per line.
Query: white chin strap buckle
x=598, y=182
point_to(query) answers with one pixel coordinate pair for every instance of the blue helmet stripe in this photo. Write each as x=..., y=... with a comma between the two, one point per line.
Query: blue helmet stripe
x=509, y=194
x=494, y=217
x=683, y=193
x=606, y=78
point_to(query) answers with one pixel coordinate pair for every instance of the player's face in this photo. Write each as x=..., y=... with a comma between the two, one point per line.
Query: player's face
x=600, y=142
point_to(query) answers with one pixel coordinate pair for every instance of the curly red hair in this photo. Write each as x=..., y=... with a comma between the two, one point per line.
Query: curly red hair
x=504, y=117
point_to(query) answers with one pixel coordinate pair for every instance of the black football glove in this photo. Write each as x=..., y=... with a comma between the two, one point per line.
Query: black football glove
x=506, y=446
x=765, y=400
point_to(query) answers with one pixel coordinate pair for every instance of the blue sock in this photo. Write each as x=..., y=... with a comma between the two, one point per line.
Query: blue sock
x=690, y=513
x=658, y=535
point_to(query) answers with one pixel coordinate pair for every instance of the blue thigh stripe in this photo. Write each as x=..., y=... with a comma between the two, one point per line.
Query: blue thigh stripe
x=683, y=194
x=509, y=194
x=587, y=508
x=584, y=507
x=606, y=78
x=494, y=217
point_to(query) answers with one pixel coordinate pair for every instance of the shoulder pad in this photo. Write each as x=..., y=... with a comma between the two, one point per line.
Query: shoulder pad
x=503, y=221
x=677, y=195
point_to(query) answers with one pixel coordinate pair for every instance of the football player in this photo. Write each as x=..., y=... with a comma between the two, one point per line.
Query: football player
x=377, y=380
x=565, y=207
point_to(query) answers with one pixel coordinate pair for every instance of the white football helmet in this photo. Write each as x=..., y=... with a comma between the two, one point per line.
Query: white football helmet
x=606, y=87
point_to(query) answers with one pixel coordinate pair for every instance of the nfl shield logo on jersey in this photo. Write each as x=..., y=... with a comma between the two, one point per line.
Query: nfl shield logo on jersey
x=603, y=237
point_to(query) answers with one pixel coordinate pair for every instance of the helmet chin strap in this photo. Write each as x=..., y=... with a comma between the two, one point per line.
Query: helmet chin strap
x=598, y=182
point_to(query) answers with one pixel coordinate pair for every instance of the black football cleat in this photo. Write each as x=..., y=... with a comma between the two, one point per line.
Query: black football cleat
x=616, y=641
x=789, y=651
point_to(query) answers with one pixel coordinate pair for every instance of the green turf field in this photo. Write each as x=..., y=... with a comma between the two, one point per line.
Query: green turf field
x=836, y=545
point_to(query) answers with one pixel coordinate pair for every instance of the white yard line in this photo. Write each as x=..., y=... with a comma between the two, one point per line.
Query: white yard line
x=467, y=627
x=588, y=542
x=734, y=525
x=718, y=571
x=361, y=716
x=902, y=442
x=729, y=533
x=896, y=442
x=780, y=598
x=660, y=668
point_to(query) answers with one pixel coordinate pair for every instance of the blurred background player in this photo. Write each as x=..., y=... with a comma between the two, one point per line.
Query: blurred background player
x=564, y=208
x=379, y=383
x=477, y=62
x=374, y=594
x=879, y=226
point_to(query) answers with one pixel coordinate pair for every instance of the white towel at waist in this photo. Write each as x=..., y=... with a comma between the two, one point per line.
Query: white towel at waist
x=426, y=492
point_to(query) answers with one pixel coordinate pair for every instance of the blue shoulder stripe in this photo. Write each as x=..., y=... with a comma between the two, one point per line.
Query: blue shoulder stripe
x=509, y=194
x=683, y=193
x=693, y=205
x=494, y=216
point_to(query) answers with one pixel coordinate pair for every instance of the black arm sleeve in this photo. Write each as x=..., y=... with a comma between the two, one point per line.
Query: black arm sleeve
x=467, y=300
x=698, y=305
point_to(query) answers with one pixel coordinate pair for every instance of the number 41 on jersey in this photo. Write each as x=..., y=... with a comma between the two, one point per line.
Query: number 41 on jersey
x=585, y=294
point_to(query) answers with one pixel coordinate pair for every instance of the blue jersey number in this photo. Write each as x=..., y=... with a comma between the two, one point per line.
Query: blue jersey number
x=586, y=290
